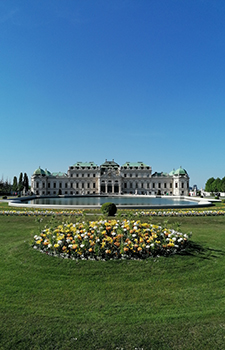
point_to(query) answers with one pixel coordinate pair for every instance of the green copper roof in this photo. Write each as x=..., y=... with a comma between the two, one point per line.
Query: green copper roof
x=157, y=174
x=39, y=171
x=85, y=164
x=47, y=173
x=180, y=171
x=109, y=163
x=59, y=174
x=172, y=172
x=137, y=164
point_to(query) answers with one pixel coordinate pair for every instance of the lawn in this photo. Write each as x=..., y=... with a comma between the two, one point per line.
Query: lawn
x=175, y=302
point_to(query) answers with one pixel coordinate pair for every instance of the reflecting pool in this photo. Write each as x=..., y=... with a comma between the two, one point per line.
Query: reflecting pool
x=134, y=201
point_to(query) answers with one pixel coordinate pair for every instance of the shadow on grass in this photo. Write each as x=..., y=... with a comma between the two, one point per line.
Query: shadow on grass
x=199, y=251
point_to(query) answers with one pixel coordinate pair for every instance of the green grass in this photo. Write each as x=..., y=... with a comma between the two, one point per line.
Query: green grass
x=164, y=303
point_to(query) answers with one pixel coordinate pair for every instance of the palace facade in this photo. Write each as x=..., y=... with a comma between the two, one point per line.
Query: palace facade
x=110, y=178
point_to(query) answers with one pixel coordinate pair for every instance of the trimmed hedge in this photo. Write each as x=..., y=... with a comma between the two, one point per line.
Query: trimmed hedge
x=109, y=209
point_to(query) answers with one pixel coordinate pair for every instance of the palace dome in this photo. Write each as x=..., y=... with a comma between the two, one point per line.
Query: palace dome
x=172, y=172
x=39, y=171
x=180, y=171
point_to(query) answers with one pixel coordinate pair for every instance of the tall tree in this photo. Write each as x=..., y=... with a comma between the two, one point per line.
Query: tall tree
x=223, y=184
x=20, y=185
x=15, y=184
x=216, y=185
x=26, y=182
x=208, y=185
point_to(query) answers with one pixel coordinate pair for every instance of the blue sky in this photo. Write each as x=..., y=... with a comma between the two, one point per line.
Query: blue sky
x=129, y=80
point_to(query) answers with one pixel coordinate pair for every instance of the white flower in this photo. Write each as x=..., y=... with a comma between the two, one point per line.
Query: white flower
x=82, y=245
x=134, y=235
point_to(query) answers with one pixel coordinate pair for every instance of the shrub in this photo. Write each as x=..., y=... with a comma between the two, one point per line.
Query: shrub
x=109, y=209
x=4, y=197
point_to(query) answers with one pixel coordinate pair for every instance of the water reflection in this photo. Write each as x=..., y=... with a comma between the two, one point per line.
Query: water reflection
x=92, y=201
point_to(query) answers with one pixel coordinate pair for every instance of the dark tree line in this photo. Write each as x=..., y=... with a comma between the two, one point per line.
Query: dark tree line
x=5, y=187
x=215, y=185
x=16, y=186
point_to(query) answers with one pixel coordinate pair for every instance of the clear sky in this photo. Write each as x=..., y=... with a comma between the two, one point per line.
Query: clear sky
x=129, y=80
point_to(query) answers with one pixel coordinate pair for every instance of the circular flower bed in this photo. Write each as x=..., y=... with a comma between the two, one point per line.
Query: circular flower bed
x=112, y=239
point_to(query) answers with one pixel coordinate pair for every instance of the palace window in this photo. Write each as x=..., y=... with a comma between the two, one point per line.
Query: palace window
x=60, y=185
x=54, y=184
x=43, y=184
x=93, y=185
x=66, y=185
x=153, y=185
x=49, y=185
x=165, y=185
x=159, y=185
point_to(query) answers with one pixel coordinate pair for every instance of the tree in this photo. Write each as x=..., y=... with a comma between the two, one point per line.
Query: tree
x=223, y=184
x=26, y=182
x=15, y=184
x=208, y=185
x=20, y=185
x=216, y=185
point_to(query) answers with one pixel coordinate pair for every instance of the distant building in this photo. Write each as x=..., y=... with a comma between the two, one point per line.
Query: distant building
x=110, y=178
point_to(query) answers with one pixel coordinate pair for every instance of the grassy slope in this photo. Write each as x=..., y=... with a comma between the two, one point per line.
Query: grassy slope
x=166, y=303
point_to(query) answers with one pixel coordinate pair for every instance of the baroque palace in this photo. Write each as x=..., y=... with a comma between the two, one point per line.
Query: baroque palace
x=110, y=178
